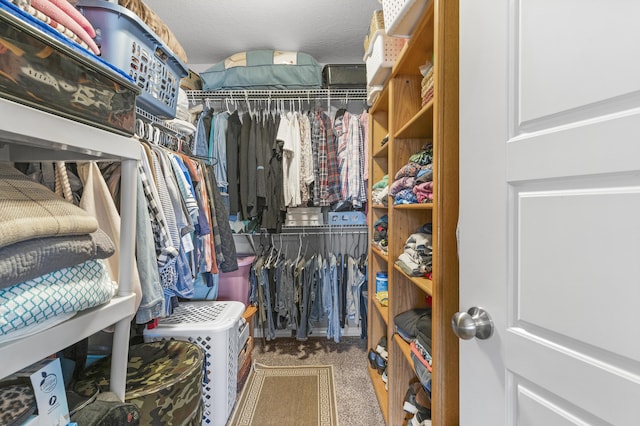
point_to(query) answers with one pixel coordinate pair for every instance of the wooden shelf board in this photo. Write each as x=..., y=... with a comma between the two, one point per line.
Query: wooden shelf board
x=383, y=310
x=381, y=392
x=416, y=206
x=380, y=254
x=382, y=152
x=249, y=312
x=420, y=126
x=423, y=283
x=382, y=102
x=404, y=348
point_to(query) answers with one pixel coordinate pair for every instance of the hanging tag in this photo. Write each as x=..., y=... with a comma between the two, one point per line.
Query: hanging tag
x=187, y=243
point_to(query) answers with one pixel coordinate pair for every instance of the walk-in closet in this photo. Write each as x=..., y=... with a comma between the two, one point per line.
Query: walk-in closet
x=228, y=213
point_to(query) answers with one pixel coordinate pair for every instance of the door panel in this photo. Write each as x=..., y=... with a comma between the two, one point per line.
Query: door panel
x=572, y=378
x=565, y=56
x=603, y=145
x=572, y=263
x=536, y=407
x=549, y=236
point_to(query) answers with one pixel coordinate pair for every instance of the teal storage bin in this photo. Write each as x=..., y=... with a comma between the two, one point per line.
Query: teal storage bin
x=264, y=70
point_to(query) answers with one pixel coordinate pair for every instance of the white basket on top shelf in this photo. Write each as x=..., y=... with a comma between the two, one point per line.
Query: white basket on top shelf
x=401, y=16
x=372, y=93
x=383, y=53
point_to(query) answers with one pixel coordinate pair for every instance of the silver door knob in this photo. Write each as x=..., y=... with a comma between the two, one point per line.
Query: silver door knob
x=476, y=322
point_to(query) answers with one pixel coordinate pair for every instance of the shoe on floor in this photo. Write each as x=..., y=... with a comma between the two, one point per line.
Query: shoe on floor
x=410, y=405
x=371, y=356
x=416, y=398
x=381, y=348
x=380, y=363
x=385, y=379
x=422, y=397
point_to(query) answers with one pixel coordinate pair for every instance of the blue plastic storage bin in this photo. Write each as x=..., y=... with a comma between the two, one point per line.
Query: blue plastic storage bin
x=347, y=218
x=130, y=45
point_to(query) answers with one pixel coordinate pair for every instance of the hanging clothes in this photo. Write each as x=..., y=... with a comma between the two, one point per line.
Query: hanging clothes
x=300, y=293
x=232, y=139
x=322, y=160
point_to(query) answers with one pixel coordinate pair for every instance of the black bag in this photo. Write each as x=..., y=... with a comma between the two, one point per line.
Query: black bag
x=107, y=413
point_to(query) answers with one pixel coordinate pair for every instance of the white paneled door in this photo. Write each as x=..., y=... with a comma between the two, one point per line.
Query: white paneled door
x=549, y=231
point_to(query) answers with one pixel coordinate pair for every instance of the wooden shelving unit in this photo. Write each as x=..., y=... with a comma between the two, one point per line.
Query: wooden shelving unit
x=398, y=114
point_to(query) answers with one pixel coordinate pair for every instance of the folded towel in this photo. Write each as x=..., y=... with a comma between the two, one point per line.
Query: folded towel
x=58, y=15
x=75, y=14
x=29, y=259
x=31, y=210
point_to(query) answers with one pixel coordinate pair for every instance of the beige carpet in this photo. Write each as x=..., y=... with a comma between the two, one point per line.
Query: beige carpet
x=291, y=395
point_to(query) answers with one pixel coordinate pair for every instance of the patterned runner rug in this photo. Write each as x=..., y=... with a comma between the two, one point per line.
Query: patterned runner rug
x=295, y=395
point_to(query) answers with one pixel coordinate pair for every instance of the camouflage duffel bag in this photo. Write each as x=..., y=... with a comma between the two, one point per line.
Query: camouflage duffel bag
x=164, y=380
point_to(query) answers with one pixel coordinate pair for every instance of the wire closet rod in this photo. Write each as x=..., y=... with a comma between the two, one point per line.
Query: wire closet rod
x=337, y=94
x=146, y=116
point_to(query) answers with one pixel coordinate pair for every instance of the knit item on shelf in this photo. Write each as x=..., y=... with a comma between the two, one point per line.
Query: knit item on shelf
x=380, y=195
x=426, y=92
x=405, y=196
x=424, y=156
x=382, y=182
x=406, y=182
x=424, y=192
x=424, y=175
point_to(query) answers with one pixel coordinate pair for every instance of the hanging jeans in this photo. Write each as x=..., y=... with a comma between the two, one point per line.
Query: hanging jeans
x=263, y=280
x=306, y=279
x=334, y=331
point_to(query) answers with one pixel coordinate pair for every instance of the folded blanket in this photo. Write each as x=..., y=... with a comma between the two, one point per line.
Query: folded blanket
x=61, y=292
x=75, y=14
x=410, y=267
x=149, y=17
x=400, y=184
x=30, y=210
x=405, y=196
x=29, y=259
x=424, y=192
x=57, y=26
x=54, y=12
x=381, y=183
x=424, y=175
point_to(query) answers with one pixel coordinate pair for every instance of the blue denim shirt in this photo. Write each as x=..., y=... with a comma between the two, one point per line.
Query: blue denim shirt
x=201, y=139
x=152, y=303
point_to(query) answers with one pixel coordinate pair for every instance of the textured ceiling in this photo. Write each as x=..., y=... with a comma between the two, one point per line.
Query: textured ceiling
x=332, y=31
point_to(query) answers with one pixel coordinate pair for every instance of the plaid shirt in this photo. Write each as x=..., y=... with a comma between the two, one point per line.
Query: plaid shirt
x=350, y=147
x=319, y=140
x=315, y=142
x=332, y=163
x=307, y=175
